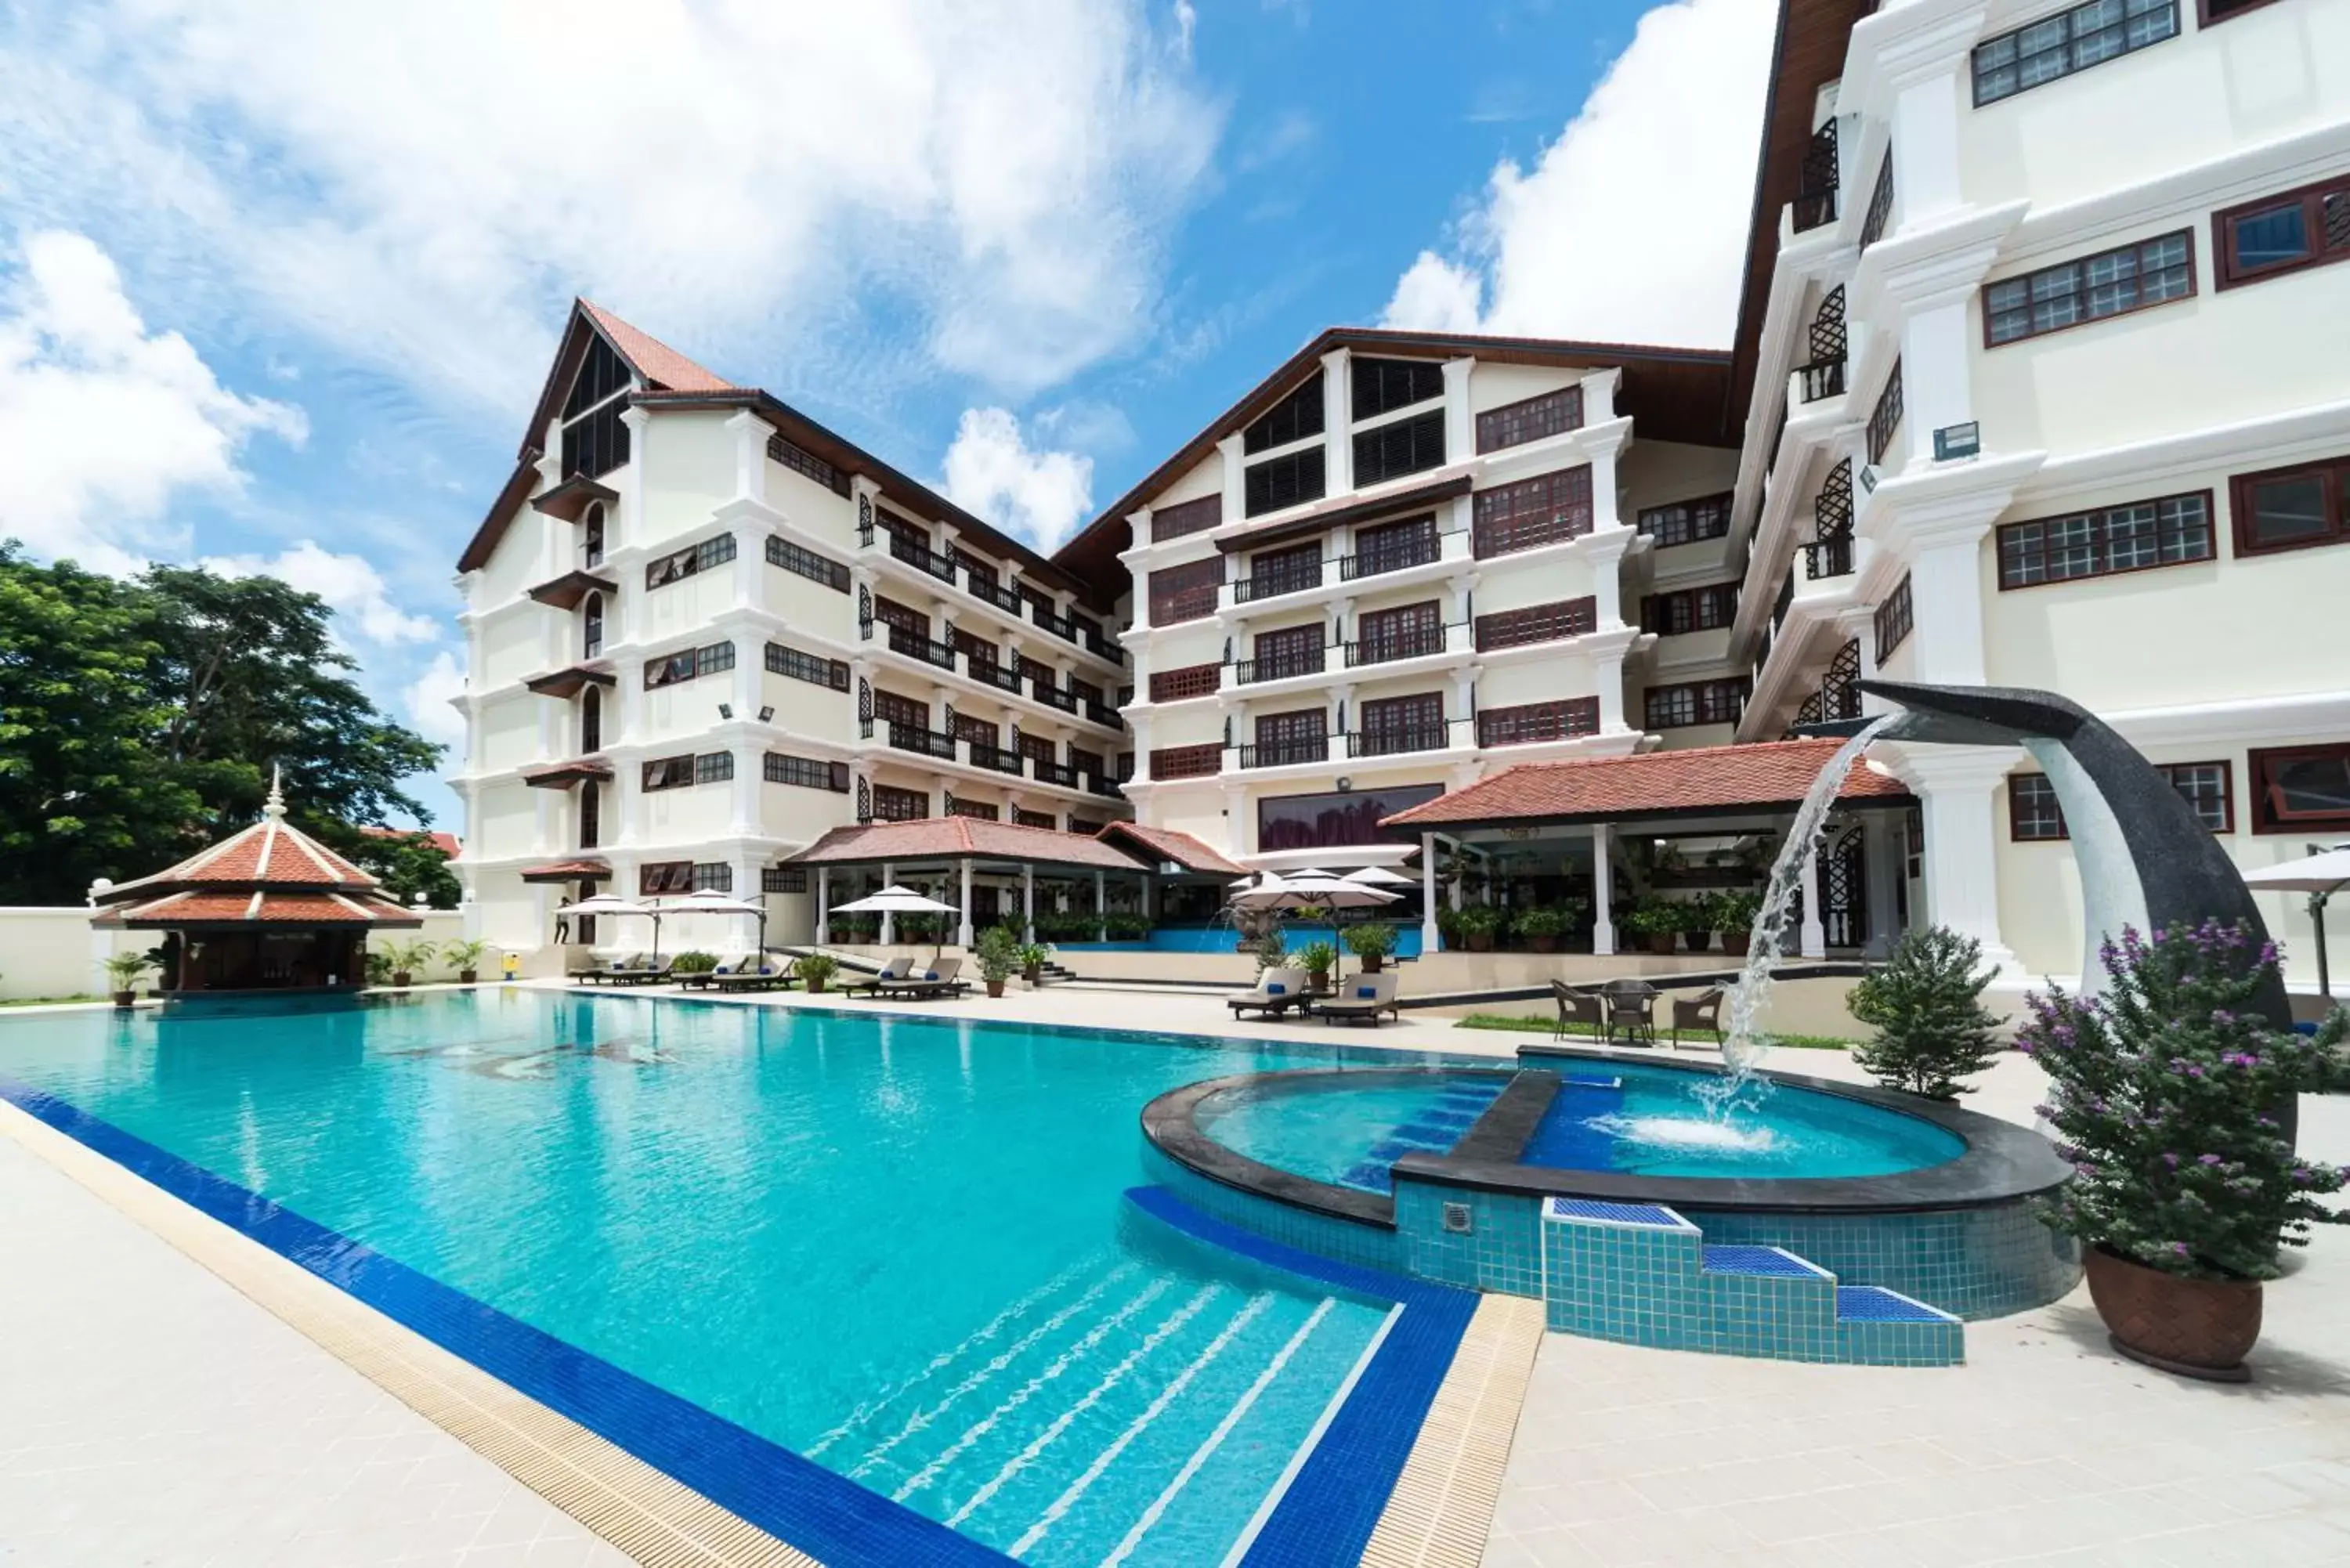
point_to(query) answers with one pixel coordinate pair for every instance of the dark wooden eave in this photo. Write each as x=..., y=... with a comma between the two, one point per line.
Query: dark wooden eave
x=1315, y=524
x=567, y=682
x=570, y=500
x=565, y=591
x=563, y=775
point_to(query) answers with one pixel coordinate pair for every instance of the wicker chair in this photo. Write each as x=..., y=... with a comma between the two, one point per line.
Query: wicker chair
x=1702, y=1010
x=1631, y=1010
x=1578, y=1007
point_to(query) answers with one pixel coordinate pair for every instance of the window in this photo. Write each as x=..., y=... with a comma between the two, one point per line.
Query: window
x=1033, y=818
x=901, y=712
x=2127, y=539
x=807, y=773
x=2067, y=42
x=979, y=810
x=1381, y=386
x=1686, y=522
x=1406, y=446
x=2210, y=11
x=591, y=536
x=1406, y=631
x=1392, y=724
x=2033, y=813
x=1188, y=517
x=1293, y=418
x=1514, y=424
x=1535, y=722
x=714, y=876
x=807, y=667
x=1886, y=418
x=1696, y=703
x=1286, y=571
x=669, y=773
x=1086, y=827
x=1543, y=510
x=591, y=722
x=665, y=876
x=1879, y=216
x=1392, y=547
x=1893, y=619
x=714, y=767
x=680, y=564
x=808, y=465
x=891, y=803
x=2301, y=789
x=591, y=626
x=1186, y=761
x=2304, y=228
x=1186, y=592
x=688, y=663
x=1691, y=609
x=1336, y=821
x=1188, y=682
x=2111, y=283
x=591, y=816
x=595, y=441
x=2291, y=508
x=2036, y=814
x=783, y=879
x=1537, y=623
x=1300, y=735
x=1280, y=481
x=1294, y=650
x=782, y=552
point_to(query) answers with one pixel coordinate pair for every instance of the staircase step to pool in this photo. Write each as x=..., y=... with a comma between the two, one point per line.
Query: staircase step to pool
x=1775, y=1261
x=1875, y=1303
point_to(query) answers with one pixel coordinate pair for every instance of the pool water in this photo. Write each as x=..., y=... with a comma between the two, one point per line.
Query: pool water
x=1348, y=1137
x=894, y=1245
x=1648, y=1121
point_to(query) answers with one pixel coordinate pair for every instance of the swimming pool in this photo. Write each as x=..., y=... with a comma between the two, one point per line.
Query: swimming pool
x=893, y=1245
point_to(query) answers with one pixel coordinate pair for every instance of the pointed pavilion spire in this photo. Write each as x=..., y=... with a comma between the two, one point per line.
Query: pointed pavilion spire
x=274, y=808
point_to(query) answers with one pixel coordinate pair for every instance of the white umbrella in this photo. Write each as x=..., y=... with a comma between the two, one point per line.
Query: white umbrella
x=613, y=904
x=711, y=901
x=1318, y=890
x=1378, y=877
x=2319, y=875
x=895, y=900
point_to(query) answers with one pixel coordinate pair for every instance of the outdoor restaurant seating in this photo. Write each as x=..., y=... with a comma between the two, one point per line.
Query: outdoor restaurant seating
x=1578, y=1007
x=1277, y=990
x=1702, y=1010
x=1631, y=1010
x=1365, y=996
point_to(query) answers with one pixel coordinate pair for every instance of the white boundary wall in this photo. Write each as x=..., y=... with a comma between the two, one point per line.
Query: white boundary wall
x=51, y=951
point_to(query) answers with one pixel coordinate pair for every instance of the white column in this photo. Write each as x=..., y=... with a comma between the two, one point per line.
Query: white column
x=1027, y=903
x=1880, y=851
x=963, y=931
x=1101, y=923
x=1957, y=788
x=1337, y=414
x=1460, y=424
x=1428, y=938
x=746, y=791
x=1607, y=671
x=888, y=921
x=1606, y=552
x=1603, y=928
x=1235, y=479
x=1812, y=938
x=632, y=527
x=750, y=433
x=823, y=906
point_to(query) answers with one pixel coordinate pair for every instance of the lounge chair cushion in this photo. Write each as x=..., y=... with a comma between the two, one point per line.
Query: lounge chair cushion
x=1366, y=992
x=1276, y=988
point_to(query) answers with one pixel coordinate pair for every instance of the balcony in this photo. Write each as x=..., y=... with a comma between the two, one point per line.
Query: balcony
x=1280, y=666
x=1272, y=585
x=1286, y=753
x=1060, y=626
x=1106, y=788
x=995, y=758
x=1828, y=556
x=1108, y=652
x=987, y=590
x=1822, y=378
x=1815, y=209
x=1418, y=551
x=997, y=675
x=912, y=738
x=912, y=644
x=1052, y=772
x=1395, y=741
x=1105, y=716
x=912, y=551
x=1411, y=643
x=1053, y=696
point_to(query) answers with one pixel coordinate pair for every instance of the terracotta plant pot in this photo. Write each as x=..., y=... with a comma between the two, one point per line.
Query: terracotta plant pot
x=1481, y=941
x=1544, y=944
x=467, y=976
x=1736, y=944
x=995, y=988
x=816, y=986
x=1033, y=974
x=124, y=998
x=1371, y=963
x=1661, y=943
x=2195, y=1328
x=1699, y=941
x=401, y=977
x=1317, y=980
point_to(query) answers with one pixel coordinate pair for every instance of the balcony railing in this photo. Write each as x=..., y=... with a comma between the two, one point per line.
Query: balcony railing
x=1389, y=742
x=1823, y=379
x=1286, y=753
x=1411, y=643
x=1001, y=677
x=913, y=645
x=1272, y=585
x=987, y=754
x=1106, y=788
x=1053, y=696
x=1108, y=650
x=1280, y=666
x=911, y=738
x=1416, y=551
x=1060, y=626
x=1828, y=558
x=1052, y=772
x=989, y=591
x=911, y=551
x=1815, y=209
x=1104, y=715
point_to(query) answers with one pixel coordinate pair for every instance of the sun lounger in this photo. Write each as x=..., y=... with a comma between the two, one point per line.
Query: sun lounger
x=937, y=981
x=1277, y=990
x=645, y=974
x=604, y=971
x=895, y=969
x=1365, y=997
x=758, y=972
x=728, y=964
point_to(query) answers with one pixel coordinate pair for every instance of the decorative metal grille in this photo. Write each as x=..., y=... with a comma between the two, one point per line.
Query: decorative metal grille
x=864, y=701
x=1840, y=688
x=864, y=798
x=1828, y=335
x=1844, y=884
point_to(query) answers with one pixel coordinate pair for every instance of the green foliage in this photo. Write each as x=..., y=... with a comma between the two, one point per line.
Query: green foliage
x=2163, y=1094
x=854, y=929
x=1734, y=911
x=124, y=970
x=463, y=953
x=1932, y=1029
x=1539, y=922
x=1653, y=917
x=1448, y=923
x=1316, y=958
x=1373, y=938
x=1033, y=955
x=1270, y=950
x=815, y=967
x=696, y=962
x=139, y=718
x=412, y=957
x=1125, y=927
x=998, y=954
x=379, y=967
x=1480, y=921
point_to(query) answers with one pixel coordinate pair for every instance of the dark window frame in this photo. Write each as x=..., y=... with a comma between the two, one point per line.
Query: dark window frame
x=1185, y=593
x=2314, y=200
x=1895, y=618
x=1298, y=478
x=807, y=563
x=1186, y=517
x=805, y=773
x=1201, y=760
x=2101, y=518
x=1392, y=383
x=1885, y=418
x=2070, y=40
x=2266, y=817
x=1555, y=621
x=1538, y=723
x=666, y=772
x=830, y=673
x=1699, y=518
x=2207, y=17
x=1528, y=514
x=657, y=877
x=2332, y=474
x=1399, y=448
x=1287, y=421
x=893, y=802
x=2085, y=291
x=688, y=664
x=783, y=880
x=1185, y=682
x=1679, y=612
x=1529, y=420
x=703, y=556
x=2047, y=812
x=1722, y=700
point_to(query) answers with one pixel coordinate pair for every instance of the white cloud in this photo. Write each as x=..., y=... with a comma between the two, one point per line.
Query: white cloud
x=990, y=186
x=350, y=583
x=1631, y=227
x=990, y=470
x=102, y=423
x=429, y=713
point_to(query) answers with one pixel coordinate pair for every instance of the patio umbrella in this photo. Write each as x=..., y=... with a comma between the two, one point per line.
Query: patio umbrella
x=2319, y=875
x=1318, y=890
x=895, y=900
x=613, y=904
x=711, y=901
x=1378, y=877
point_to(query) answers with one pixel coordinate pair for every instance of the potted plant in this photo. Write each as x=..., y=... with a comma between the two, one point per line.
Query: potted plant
x=466, y=955
x=693, y=968
x=122, y=974
x=409, y=959
x=1932, y=1029
x=1033, y=958
x=2164, y=1090
x=1733, y=917
x=998, y=952
x=1540, y=927
x=1654, y=922
x=1480, y=924
x=379, y=967
x=1316, y=960
x=1695, y=917
x=1371, y=943
x=1448, y=926
x=814, y=969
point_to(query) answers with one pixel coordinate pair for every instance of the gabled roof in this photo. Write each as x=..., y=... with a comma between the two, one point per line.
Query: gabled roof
x=1672, y=394
x=1766, y=776
x=446, y=843
x=962, y=837
x=272, y=853
x=192, y=907
x=1166, y=844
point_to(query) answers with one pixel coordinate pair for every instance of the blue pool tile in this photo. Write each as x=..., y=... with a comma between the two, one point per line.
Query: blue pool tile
x=1871, y=1303
x=1735, y=1259
x=1616, y=1213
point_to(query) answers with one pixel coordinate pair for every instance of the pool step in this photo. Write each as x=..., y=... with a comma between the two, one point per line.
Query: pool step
x=1641, y=1274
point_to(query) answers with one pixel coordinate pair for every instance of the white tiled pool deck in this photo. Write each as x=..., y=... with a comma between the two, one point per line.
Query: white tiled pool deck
x=152, y=1415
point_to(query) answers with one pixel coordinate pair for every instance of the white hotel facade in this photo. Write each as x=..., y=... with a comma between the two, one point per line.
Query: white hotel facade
x=2041, y=378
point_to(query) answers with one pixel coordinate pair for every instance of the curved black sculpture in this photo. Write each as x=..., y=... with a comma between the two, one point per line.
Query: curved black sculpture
x=2147, y=860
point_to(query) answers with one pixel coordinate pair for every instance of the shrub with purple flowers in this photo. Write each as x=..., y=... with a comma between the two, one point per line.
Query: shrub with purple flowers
x=2163, y=1094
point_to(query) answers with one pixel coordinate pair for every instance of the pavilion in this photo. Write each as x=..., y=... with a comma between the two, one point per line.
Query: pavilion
x=269, y=909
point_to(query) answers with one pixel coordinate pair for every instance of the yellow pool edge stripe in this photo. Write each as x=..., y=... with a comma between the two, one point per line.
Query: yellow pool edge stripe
x=1441, y=1510
x=624, y=1501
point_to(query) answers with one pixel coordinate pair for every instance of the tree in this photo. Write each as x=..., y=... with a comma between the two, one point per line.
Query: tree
x=1932, y=1029
x=406, y=865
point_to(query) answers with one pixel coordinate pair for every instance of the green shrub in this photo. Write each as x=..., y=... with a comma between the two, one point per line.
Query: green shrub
x=463, y=953
x=693, y=963
x=1448, y=924
x=1480, y=919
x=1125, y=927
x=123, y=971
x=1317, y=958
x=1932, y=1029
x=1734, y=911
x=998, y=953
x=379, y=967
x=1373, y=938
x=1651, y=917
x=813, y=967
x=1539, y=922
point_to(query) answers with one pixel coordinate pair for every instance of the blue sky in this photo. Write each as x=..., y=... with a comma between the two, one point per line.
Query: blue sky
x=278, y=281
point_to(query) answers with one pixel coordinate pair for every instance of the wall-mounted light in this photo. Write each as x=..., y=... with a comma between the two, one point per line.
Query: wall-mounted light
x=726, y=710
x=766, y=715
x=1345, y=782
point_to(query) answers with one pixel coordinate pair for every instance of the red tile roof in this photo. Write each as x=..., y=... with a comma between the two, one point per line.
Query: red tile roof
x=191, y=906
x=654, y=359
x=568, y=871
x=1651, y=784
x=954, y=837
x=270, y=853
x=444, y=842
x=1166, y=844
